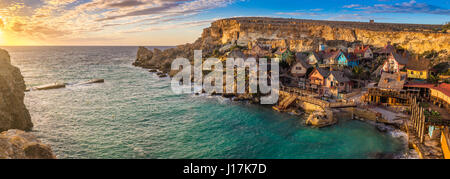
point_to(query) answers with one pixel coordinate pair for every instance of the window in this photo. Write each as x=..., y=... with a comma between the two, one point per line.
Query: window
x=298, y=68
x=421, y=73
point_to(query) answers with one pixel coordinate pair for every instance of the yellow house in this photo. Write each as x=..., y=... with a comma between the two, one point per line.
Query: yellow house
x=417, y=74
x=418, y=68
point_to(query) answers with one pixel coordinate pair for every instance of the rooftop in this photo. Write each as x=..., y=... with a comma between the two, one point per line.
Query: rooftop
x=418, y=64
x=444, y=87
x=392, y=81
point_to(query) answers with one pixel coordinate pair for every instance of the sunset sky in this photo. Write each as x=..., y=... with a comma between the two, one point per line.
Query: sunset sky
x=173, y=22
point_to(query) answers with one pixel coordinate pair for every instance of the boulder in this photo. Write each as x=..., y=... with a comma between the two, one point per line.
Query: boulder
x=17, y=144
x=321, y=119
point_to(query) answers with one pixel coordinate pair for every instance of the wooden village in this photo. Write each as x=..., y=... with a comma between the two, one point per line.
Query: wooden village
x=387, y=80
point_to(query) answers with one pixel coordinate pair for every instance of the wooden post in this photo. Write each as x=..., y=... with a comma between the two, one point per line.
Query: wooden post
x=416, y=122
x=422, y=136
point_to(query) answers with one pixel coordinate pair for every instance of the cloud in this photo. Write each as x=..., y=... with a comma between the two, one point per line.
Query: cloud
x=148, y=11
x=172, y=6
x=355, y=17
x=352, y=6
x=64, y=19
x=170, y=26
x=411, y=7
x=126, y=3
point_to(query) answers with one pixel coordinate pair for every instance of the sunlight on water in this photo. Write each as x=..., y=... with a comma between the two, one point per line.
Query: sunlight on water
x=135, y=115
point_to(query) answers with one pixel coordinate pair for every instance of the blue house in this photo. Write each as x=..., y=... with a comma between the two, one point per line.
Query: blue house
x=352, y=60
x=342, y=59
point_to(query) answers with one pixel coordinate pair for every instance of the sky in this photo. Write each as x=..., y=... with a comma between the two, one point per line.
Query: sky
x=174, y=22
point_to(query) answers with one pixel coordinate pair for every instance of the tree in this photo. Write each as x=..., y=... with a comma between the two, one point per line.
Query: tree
x=357, y=72
x=434, y=79
x=290, y=59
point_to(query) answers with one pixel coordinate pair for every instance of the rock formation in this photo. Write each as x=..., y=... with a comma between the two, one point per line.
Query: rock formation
x=13, y=113
x=299, y=35
x=14, y=117
x=17, y=144
x=321, y=119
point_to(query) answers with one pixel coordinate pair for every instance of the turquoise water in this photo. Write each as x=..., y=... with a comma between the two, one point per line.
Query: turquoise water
x=134, y=114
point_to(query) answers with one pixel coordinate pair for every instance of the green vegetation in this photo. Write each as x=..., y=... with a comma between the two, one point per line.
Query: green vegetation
x=446, y=27
x=430, y=54
x=358, y=73
x=237, y=47
x=434, y=79
x=432, y=114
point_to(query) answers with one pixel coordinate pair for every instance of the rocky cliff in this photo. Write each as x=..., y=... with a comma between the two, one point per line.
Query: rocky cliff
x=14, y=143
x=304, y=35
x=300, y=35
x=13, y=113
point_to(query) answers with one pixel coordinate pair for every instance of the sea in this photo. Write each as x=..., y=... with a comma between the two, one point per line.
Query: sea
x=134, y=114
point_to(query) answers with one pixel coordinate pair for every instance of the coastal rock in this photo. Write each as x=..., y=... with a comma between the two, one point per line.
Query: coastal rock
x=13, y=113
x=17, y=144
x=321, y=119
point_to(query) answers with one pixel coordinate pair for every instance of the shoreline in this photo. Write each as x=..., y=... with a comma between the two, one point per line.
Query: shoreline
x=382, y=128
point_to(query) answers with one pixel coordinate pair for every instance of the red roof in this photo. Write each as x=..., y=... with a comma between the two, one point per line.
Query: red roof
x=444, y=87
x=361, y=49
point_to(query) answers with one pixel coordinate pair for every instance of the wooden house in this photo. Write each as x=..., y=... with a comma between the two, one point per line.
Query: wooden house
x=283, y=53
x=417, y=68
x=318, y=76
x=329, y=58
x=335, y=58
x=259, y=50
x=337, y=83
x=300, y=67
x=388, y=49
x=314, y=58
x=395, y=62
x=363, y=52
x=353, y=60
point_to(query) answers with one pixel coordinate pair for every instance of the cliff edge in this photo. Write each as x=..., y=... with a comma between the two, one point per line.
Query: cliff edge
x=13, y=113
x=14, y=117
x=299, y=35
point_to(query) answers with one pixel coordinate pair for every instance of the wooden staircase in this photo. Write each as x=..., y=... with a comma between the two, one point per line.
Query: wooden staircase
x=285, y=103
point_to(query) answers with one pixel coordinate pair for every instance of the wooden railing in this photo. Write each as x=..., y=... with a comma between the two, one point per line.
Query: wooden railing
x=324, y=104
x=394, y=94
